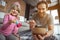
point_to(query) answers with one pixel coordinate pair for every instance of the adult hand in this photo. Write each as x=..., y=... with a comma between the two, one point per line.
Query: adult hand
x=38, y=37
x=41, y=37
x=46, y=35
x=32, y=23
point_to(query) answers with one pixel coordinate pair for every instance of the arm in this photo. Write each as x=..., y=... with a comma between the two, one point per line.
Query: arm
x=32, y=24
x=50, y=26
x=6, y=22
x=15, y=32
x=32, y=21
x=50, y=31
x=36, y=37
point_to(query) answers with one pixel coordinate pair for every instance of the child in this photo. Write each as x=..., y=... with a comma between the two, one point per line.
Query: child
x=11, y=24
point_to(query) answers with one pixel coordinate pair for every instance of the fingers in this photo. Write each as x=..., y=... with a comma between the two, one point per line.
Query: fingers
x=32, y=24
x=40, y=37
x=12, y=21
x=32, y=21
x=35, y=37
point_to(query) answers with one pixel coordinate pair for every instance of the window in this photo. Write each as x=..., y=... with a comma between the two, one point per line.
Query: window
x=2, y=2
x=54, y=13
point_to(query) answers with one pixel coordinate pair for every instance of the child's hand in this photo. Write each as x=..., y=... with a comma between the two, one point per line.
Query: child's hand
x=12, y=21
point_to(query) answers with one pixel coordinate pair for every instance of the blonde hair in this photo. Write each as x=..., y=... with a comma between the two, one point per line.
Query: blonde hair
x=15, y=4
x=13, y=7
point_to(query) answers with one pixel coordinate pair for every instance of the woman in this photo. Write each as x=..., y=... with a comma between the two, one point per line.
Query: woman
x=11, y=24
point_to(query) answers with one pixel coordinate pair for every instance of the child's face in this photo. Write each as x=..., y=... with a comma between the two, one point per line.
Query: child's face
x=14, y=12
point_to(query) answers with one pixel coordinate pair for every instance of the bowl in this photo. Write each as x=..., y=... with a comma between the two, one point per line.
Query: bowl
x=39, y=31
